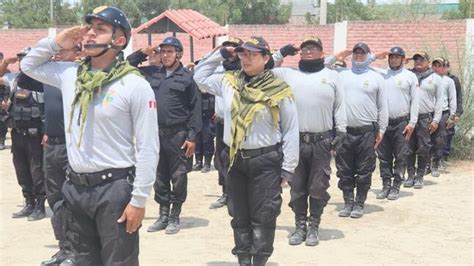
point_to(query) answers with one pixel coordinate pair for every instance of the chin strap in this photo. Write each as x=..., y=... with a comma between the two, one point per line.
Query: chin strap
x=106, y=47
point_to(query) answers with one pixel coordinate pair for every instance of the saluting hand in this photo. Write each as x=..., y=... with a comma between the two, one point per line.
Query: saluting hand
x=433, y=127
x=342, y=55
x=378, y=140
x=190, y=146
x=133, y=216
x=70, y=37
x=408, y=131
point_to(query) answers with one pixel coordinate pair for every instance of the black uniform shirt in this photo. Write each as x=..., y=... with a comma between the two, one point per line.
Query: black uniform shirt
x=53, y=109
x=178, y=98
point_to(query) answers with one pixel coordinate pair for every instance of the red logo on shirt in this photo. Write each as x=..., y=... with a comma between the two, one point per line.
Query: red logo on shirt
x=152, y=104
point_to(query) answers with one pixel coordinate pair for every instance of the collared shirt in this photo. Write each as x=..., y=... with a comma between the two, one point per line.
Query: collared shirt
x=262, y=132
x=120, y=130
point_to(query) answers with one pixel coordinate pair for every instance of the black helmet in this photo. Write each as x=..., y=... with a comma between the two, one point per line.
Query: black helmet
x=114, y=16
x=23, y=52
x=173, y=41
x=397, y=51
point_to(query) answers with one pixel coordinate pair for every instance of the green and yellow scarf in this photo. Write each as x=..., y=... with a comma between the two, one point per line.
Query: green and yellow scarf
x=263, y=90
x=91, y=82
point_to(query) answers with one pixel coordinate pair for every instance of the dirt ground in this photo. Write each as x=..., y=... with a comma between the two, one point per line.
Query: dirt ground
x=433, y=225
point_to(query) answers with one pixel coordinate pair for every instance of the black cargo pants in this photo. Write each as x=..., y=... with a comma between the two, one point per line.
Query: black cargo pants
x=173, y=168
x=254, y=186
x=91, y=222
x=312, y=176
x=55, y=165
x=393, y=151
x=28, y=161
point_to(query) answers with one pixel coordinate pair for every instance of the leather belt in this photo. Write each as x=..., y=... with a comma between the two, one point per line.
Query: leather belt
x=307, y=137
x=424, y=116
x=247, y=154
x=361, y=130
x=398, y=120
x=97, y=178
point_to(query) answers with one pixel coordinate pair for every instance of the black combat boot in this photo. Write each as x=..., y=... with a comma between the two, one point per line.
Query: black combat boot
x=207, y=164
x=259, y=260
x=162, y=221
x=409, y=182
x=418, y=182
x=2, y=144
x=27, y=210
x=173, y=225
x=316, y=207
x=220, y=202
x=39, y=212
x=198, y=165
x=244, y=259
x=386, y=182
x=58, y=258
x=358, y=210
x=312, y=237
x=299, y=235
x=348, y=196
x=395, y=190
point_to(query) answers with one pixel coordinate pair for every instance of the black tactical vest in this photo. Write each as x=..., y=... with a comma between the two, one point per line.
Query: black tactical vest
x=26, y=111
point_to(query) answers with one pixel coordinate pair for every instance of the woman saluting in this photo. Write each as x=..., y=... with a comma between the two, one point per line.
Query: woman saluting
x=261, y=132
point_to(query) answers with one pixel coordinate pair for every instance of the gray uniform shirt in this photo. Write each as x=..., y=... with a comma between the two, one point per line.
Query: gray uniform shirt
x=262, y=132
x=402, y=89
x=319, y=99
x=449, y=95
x=431, y=96
x=365, y=98
x=121, y=119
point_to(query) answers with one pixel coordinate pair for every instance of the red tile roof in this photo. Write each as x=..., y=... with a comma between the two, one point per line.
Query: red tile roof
x=190, y=21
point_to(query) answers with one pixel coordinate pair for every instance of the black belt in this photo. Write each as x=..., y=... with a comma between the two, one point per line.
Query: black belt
x=360, y=130
x=172, y=130
x=307, y=137
x=28, y=131
x=424, y=116
x=398, y=120
x=56, y=140
x=445, y=112
x=247, y=154
x=97, y=178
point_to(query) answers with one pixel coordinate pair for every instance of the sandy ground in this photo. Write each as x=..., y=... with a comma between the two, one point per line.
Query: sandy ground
x=429, y=226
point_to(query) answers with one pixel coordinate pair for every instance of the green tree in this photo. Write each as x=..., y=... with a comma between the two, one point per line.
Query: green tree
x=36, y=14
x=350, y=10
x=466, y=10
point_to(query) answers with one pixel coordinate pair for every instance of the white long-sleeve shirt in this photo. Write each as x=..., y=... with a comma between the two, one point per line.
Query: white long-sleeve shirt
x=401, y=87
x=431, y=96
x=262, y=132
x=449, y=95
x=365, y=98
x=121, y=129
x=319, y=99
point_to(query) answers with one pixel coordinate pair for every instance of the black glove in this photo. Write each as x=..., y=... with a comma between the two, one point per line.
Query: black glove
x=288, y=50
x=336, y=143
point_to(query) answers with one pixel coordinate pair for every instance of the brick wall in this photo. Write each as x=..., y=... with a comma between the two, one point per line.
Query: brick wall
x=438, y=38
x=12, y=41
